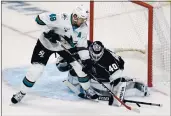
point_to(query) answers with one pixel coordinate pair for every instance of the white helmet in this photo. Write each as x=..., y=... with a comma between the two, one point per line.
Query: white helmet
x=81, y=12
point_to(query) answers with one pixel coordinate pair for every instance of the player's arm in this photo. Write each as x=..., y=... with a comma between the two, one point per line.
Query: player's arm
x=84, y=53
x=82, y=43
x=46, y=19
x=82, y=47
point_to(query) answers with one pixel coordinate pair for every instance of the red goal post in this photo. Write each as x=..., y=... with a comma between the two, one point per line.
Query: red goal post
x=149, y=49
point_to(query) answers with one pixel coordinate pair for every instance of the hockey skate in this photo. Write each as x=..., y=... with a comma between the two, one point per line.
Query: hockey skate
x=17, y=97
x=90, y=94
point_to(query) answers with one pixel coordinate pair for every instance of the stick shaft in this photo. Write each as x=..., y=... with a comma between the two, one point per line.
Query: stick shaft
x=145, y=103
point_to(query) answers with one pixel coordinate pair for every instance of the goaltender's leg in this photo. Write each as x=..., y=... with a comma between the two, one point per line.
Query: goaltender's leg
x=77, y=72
x=78, y=82
x=39, y=60
x=136, y=88
x=126, y=87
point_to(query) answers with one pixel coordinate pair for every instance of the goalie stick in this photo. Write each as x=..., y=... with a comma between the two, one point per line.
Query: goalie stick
x=107, y=98
x=78, y=93
x=128, y=107
x=145, y=103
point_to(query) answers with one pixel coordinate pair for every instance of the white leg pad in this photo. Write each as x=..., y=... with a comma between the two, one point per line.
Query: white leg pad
x=139, y=90
x=119, y=91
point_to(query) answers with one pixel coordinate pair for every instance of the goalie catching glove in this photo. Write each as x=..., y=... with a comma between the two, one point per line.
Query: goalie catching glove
x=87, y=66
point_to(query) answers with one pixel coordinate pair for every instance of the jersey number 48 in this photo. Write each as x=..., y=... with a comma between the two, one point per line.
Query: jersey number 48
x=52, y=17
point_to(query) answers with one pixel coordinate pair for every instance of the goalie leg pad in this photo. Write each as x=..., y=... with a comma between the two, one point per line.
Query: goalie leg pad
x=142, y=87
x=137, y=89
x=119, y=91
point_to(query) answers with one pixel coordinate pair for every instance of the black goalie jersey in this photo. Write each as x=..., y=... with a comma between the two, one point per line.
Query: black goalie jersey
x=106, y=66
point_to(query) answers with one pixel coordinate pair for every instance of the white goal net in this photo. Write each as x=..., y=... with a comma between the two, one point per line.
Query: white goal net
x=125, y=26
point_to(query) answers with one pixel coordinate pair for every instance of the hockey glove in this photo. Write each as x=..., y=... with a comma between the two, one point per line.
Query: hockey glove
x=87, y=66
x=121, y=63
x=69, y=40
x=52, y=36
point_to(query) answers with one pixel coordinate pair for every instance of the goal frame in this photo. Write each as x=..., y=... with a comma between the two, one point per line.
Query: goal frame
x=150, y=36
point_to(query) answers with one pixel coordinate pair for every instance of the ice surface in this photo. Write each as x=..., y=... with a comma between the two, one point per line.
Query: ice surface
x=17, y=49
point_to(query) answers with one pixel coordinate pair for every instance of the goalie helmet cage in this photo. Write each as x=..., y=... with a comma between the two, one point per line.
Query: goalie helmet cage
x=148, y=33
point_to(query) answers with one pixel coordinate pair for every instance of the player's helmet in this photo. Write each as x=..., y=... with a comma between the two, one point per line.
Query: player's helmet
x=96, y=50
x=81, y=12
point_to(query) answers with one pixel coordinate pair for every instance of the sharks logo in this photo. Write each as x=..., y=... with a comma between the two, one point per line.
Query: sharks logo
x=41, y=53
x=64, y=16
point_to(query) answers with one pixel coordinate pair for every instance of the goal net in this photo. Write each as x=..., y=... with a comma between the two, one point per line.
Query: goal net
x=139, y=31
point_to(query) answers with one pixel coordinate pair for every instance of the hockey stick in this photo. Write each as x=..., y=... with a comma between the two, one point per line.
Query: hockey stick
x=128, y=107
x=78, y=93
x=107, y=98
x=145, y=103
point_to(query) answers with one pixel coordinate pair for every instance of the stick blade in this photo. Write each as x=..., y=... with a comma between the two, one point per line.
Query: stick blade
x=160, y=105
x=135, y=110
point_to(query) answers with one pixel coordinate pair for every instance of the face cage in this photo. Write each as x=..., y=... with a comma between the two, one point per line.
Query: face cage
x=96, y=57
x=83, y=19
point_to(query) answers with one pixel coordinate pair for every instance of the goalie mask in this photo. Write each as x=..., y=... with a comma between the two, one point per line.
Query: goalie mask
x=96, y=50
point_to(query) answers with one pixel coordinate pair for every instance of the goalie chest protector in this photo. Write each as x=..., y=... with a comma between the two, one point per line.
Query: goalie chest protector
x=106, y=66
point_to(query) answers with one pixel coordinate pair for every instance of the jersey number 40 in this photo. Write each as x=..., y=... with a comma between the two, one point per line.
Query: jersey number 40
x=113, y=67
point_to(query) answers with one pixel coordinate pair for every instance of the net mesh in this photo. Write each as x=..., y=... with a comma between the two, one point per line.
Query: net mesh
x=124, y=25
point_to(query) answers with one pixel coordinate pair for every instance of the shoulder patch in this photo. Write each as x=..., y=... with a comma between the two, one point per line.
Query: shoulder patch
x=39, y=21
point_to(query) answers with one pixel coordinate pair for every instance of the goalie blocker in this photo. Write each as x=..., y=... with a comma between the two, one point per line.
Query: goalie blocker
x=108, y=68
